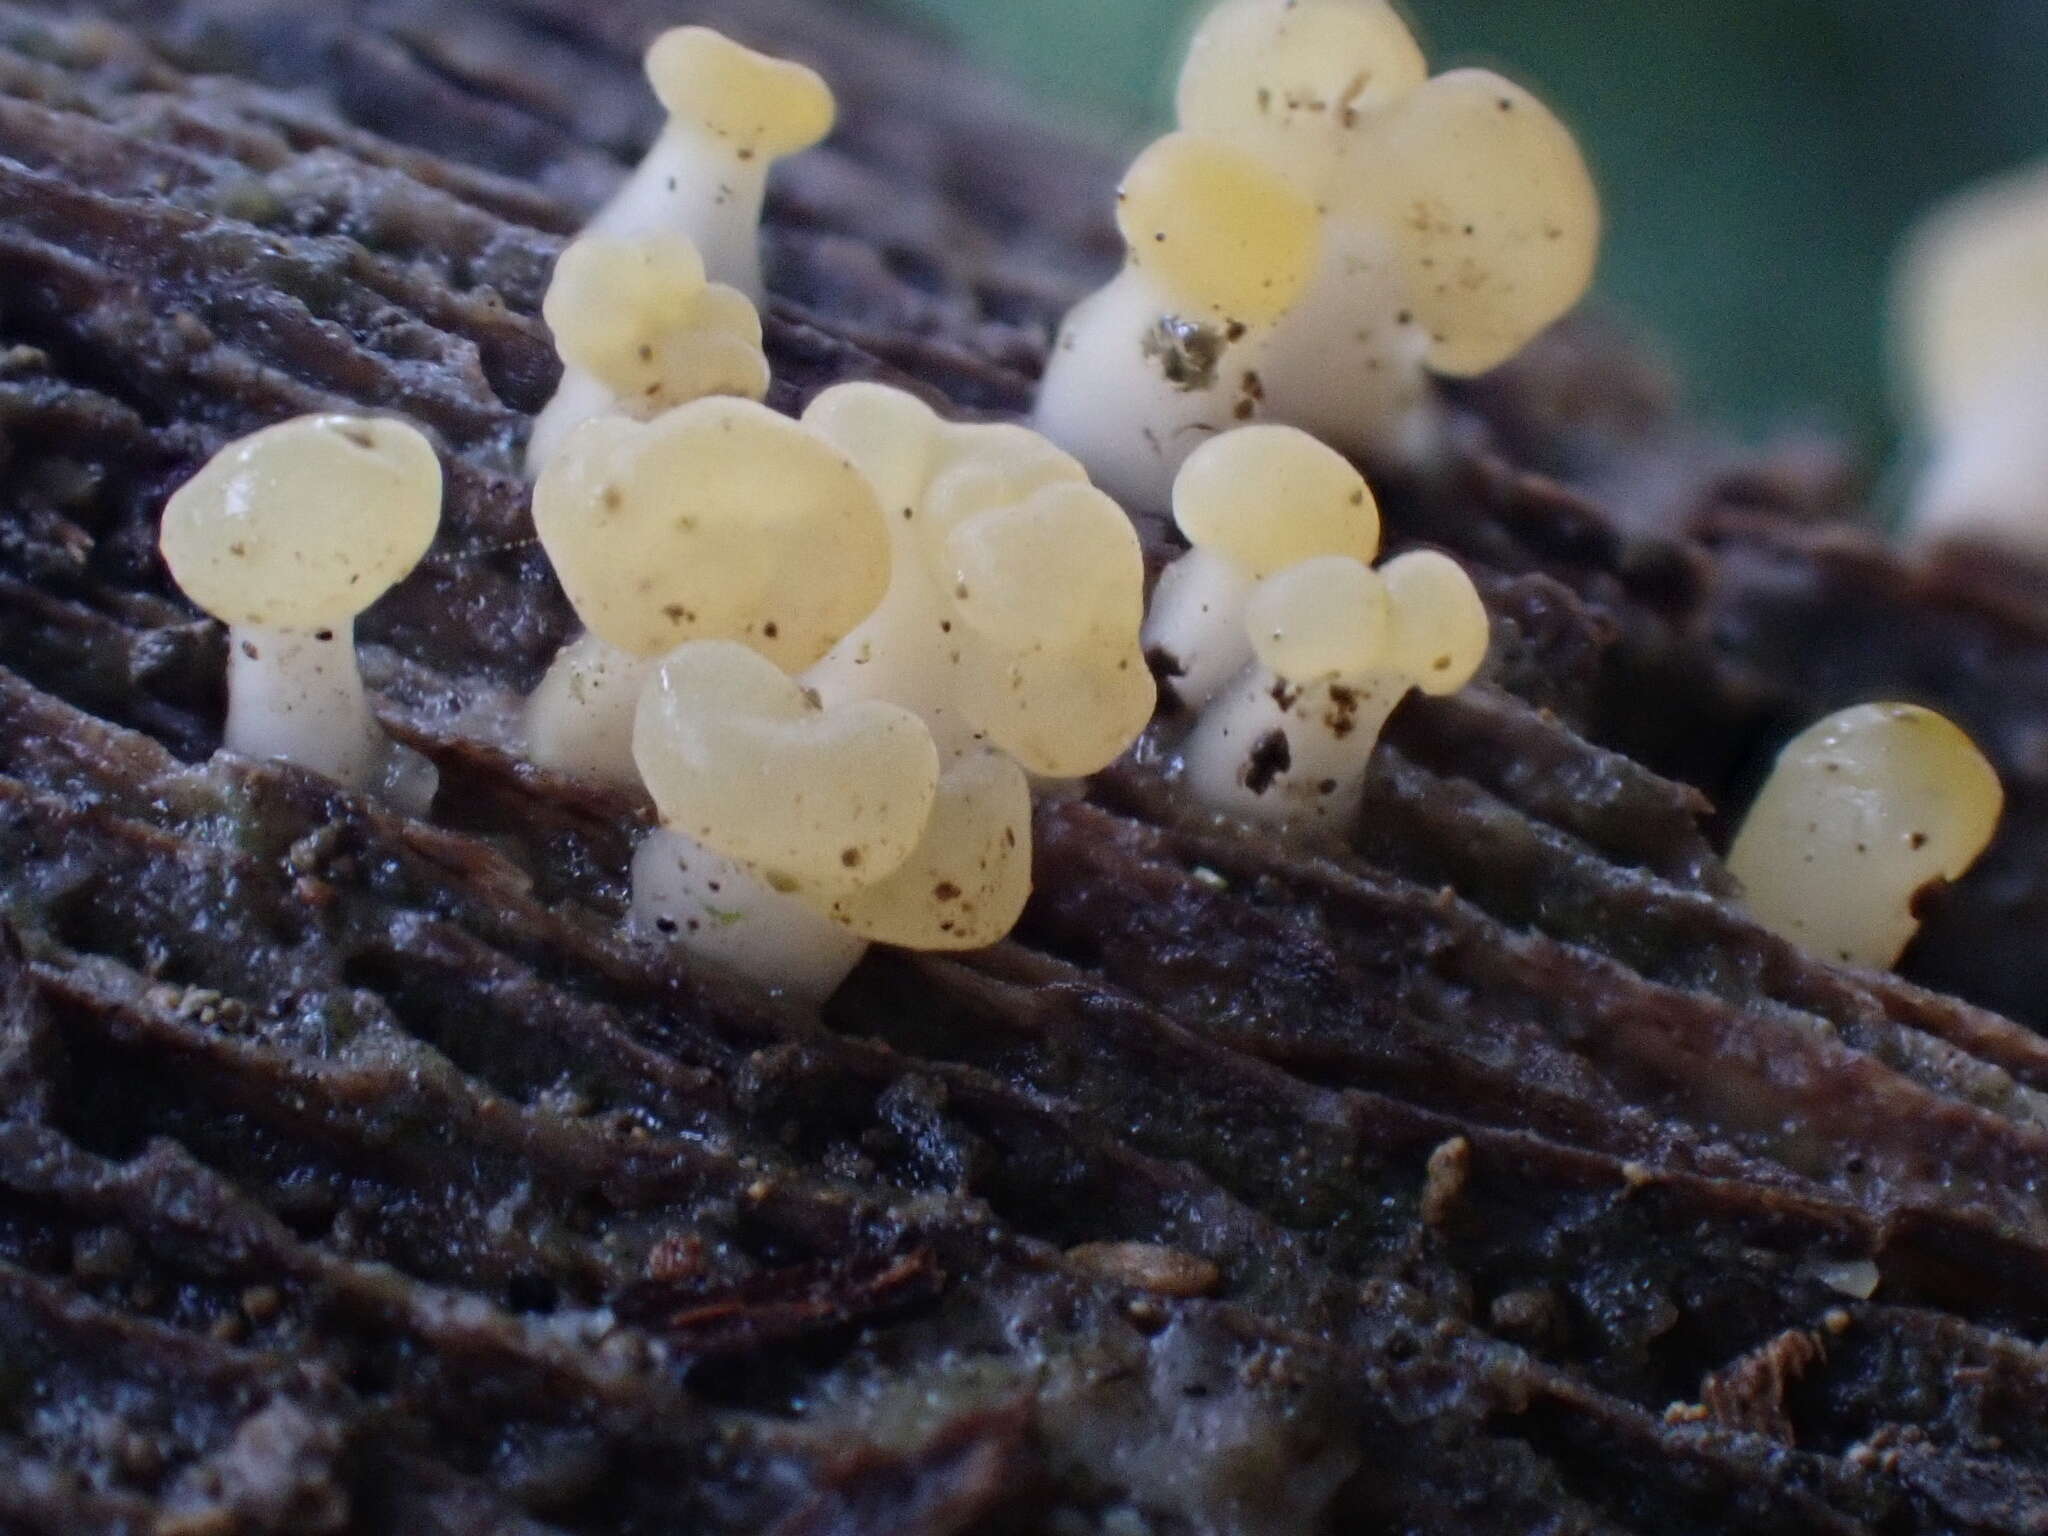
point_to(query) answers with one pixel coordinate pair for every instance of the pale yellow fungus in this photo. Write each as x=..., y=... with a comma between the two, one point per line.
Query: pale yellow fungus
x=287, y=536
x=732, y=114
x=1454, y=219
x=1494, y=214
x=1973, y=343
x=1016, y=595
x=718, y=520
x=966, y=884
x=821, y=802
x=641, y=331
x=883, y=794
x=1276, y=630
x=1252, y=503
x=1440, y=630
x=1221, y=246
x=720, y=910
x=1301, y=84
x=1862, y=812
x=1325, y=617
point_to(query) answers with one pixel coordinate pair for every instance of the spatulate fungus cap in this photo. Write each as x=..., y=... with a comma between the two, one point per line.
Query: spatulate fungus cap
x=1298, y=82
x=740, y=758
x=304, y=525
x=761, y=106
x=1496, y=218
x=1219, y=231
x=717, y=520
x=1268, y=497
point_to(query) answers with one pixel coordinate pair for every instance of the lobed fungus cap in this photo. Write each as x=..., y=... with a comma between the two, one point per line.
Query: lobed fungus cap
x=966, y=884
x=760, y=106
x=717, y=520
x=1267, y=498
x=1218, y=229
x=1496, y=218
x=1299, y=82
x=1440, y=632
x=1974, y=296
x=1326, y=617
x=740, y=758
x=304, y=525
x=1035, y=578
x=639, y=314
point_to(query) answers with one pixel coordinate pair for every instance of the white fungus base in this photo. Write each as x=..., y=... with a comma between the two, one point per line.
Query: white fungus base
x=298, y=697
x=582, y=397
x=579, y=722
x=1329, y=729
x=1347, y=363
x=692, y=183
x=724, y=913
x=1106, y=398
x=1988, y=479
x=1196, y=625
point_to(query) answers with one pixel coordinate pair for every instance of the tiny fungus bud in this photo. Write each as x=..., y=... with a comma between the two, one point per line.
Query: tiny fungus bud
x=641, y=331
x=1277, y=630
x=732, y=114
x=1016, y=591
x=1973, y=323
x=287, y=536
x=1863, y=811
x=1220, y=246
x=1453, y=219
x=718, y=520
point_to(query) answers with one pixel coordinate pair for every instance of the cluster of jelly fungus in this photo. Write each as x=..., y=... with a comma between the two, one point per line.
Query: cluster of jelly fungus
x=1973, y=343
x=1862, y=812
x=286, y=536
x=1016, y=594
x=793, y=833
x=1220, y=247
x=732, y=113
x=1278, y=632
x=1455, y=220
x=719, y=520
x=641, y=330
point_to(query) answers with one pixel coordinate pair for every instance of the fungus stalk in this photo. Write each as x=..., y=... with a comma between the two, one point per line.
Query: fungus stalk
x=732, y=113
x=1864, y=811
x=287, y=536
x=1220, y=246
x=717, y=520
x=1277, y=631
x=640, y=331
x=1974, y=351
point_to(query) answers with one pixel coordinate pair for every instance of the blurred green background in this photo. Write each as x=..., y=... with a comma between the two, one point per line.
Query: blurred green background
x=1759, y=158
